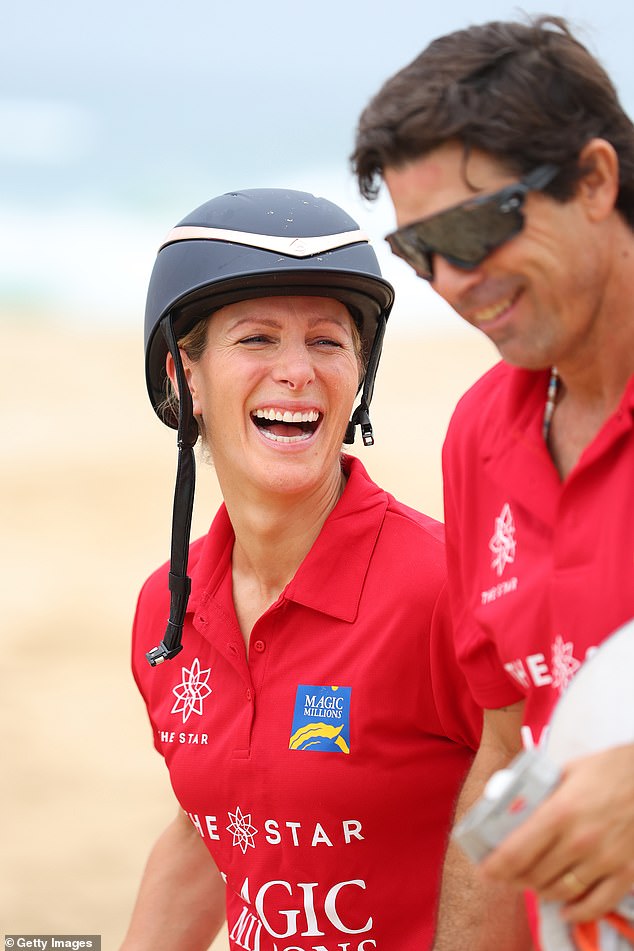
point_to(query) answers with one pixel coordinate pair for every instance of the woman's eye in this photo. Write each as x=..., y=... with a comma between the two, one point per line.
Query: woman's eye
x=255, y=339
x=327, y=342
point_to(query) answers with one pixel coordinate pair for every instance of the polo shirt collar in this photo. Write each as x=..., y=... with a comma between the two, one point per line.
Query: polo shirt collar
x=331, y=576
x=330, y=579
x=513, y=449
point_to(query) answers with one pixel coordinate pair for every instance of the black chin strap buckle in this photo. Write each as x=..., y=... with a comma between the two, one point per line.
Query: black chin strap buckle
x=162, y=653
x=360, y=417
x=366, y=432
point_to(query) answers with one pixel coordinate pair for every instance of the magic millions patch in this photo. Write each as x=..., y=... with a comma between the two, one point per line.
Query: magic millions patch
x=321, y=719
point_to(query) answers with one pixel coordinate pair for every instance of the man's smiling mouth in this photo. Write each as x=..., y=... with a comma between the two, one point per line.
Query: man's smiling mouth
x=487, y=314
x=281, y=425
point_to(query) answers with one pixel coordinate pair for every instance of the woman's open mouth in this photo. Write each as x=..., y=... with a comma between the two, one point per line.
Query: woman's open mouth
x=281, y=425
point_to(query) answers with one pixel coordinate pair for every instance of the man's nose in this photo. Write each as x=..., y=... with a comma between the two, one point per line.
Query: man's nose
x=453, y=283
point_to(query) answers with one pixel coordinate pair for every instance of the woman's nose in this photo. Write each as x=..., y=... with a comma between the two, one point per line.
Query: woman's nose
x=294, y=366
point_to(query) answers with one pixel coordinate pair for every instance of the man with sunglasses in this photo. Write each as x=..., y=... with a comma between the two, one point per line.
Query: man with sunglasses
x=510, y=164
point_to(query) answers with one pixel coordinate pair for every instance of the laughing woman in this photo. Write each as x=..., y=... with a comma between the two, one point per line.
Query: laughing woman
x=305, y=695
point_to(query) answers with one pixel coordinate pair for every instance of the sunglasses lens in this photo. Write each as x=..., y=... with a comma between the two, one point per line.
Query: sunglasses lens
x=464, y=235
x=405, y=245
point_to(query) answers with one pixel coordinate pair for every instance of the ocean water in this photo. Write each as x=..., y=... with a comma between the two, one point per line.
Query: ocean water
x=118, y=119
x=83, y=255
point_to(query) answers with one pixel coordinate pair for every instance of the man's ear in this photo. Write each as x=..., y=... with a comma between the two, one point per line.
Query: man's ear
x=598, y=187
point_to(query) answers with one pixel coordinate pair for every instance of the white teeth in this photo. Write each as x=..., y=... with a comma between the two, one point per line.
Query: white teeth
x=285, y=416
x=269, y=435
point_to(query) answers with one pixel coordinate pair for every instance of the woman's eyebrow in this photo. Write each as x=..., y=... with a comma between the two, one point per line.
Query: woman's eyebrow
x=273, y=322
x=254, y=318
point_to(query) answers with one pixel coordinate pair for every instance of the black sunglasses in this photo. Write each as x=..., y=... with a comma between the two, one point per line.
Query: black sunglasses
x=467, y=233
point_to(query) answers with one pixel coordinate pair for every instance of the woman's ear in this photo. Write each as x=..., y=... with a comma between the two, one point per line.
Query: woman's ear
x=598, y=187
x=170, y=369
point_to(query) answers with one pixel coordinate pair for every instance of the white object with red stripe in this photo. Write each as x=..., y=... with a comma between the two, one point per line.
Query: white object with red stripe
x=595, y=713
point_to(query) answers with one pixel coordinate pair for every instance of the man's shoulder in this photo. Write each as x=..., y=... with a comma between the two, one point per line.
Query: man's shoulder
x=486, y=390
x=498, y=400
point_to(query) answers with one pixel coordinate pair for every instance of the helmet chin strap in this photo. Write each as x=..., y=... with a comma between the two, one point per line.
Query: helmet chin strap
x=179, y=582
x=361, y=415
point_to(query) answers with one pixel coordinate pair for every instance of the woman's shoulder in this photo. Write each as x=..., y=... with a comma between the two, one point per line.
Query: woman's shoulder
x=404, y=518
x=411, y=550
x=394, y=516
x=155, y=589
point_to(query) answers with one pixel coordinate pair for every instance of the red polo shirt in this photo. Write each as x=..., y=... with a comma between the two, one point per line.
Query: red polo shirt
x=540, y=570
x=321, y=768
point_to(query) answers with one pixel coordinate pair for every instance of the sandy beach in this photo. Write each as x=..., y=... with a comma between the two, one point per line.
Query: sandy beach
x=85, y=485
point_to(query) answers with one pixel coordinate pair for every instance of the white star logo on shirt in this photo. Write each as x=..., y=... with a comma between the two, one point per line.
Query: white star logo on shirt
x=192, y=690
x=241, y=829
x=564, y=665
x=502, y=543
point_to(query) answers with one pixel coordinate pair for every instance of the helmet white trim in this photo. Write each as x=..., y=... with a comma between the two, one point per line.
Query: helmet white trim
x=295, y=247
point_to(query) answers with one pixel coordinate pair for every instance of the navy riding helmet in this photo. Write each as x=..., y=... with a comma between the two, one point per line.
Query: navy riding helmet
x=262, y=242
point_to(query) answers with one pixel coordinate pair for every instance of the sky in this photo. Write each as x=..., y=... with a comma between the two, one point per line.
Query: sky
x=118, y=118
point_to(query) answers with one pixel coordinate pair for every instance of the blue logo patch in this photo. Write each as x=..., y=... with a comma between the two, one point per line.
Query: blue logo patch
x=321, y=721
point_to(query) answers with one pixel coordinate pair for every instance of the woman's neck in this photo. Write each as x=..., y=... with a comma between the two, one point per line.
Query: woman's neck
x=273, y=534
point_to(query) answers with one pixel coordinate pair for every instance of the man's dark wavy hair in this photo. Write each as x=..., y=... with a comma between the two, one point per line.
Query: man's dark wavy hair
x=526, y=93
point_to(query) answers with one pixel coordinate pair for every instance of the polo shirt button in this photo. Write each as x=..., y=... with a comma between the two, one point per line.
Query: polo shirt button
x=259, y=646
x=249, y=694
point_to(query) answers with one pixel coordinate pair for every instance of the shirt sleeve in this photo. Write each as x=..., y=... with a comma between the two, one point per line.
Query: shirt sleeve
x=460, y=715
